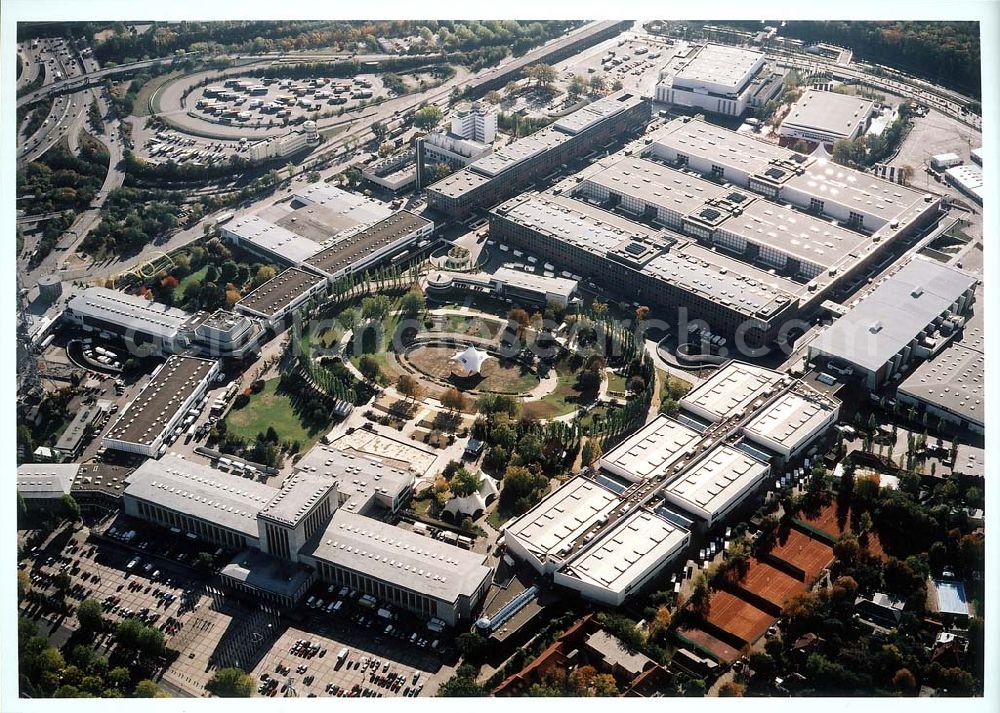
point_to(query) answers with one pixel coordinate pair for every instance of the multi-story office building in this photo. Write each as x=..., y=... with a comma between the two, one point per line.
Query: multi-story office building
x=476, y=121
x=319, y=524
x=441, y=148
x=492, y=179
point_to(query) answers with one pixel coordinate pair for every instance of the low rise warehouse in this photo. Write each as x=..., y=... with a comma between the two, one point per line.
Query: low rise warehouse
x=146, y=424
x=910, y=314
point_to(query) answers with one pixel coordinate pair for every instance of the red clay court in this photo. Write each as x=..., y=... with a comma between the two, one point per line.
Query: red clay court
x=737, y=616
x=805, y=553
x=770, y=583
x=722, y=651
x=826, y=521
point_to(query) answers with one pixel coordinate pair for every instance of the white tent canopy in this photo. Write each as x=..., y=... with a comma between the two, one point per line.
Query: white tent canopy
x=469, y=362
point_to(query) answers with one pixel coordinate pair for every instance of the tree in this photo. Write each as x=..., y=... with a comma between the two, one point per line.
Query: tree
x=428, y=117
x=591, y=451
x=616, y=85
x=846, y=548
x=379, y=130
x=369, y=367
x=409, y=387
x=375, y=308
x=464, y=483
x=462, y=685
x=454, y=400
x=731, y=689
x=148, y=689
x=71, y=510
x=90, y=614
x=313, y=177
x=493, y=97
x=543, y=74
x=521, y=318
x=204, y=560
x=577, y=86
x=230, y=683
x=903, y=680
x=472, y=646
x=412, y=303
x=597, y=83
x=511, y=88
x=23, y=584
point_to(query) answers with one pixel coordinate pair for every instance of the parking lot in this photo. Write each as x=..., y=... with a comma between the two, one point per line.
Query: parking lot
x=633, y=59
x=125, y=577
x=305, y=660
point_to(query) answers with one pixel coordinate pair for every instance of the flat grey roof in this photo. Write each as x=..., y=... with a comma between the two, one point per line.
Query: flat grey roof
x=346, y=251
x=267, y=573
x=582, y=119
x=518, y=151
x=892, y=314
x=538, y=283
x=650, y=451
x=359, y=479
x=714, y=143
x=400, y=557
x=279, y=291
x=653, y=183
x=826, y=180
x=951, y=597
x=201, y=491
x=562, y=517
x=627, y=551
x=71, y=437
x=720, y=64
x=796, y=234
x=458, y=183
x=130, y=312
x=953, y=379
x=296, y=498
x=147, y=416
x=353, y=206
x=793, y=418
x=730, y=389
x=718, y=479
x=37, y=480
x=272, y=238
x=828, y=112
x=699, y=270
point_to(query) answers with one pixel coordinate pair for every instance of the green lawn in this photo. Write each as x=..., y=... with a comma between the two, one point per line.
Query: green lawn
x=197, y=276
x=563, y=400
x=270, y=408
x=616, y=382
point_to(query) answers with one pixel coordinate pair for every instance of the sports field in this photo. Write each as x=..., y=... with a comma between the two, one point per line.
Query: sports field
x=737, y=616
x=804, y=552
x=771, y=584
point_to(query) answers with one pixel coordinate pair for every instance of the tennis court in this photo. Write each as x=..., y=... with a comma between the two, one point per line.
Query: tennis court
x=806, y=554
x=723, y=652
x=771, y=584
x=737, y=616
x=829, y=521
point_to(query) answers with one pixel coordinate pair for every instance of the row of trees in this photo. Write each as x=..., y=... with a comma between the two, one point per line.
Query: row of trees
x=79, y=671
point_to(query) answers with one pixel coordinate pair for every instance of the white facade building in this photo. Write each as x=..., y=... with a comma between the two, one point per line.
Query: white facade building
x=826, y=117
x=717, y=79
x=476, y=121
